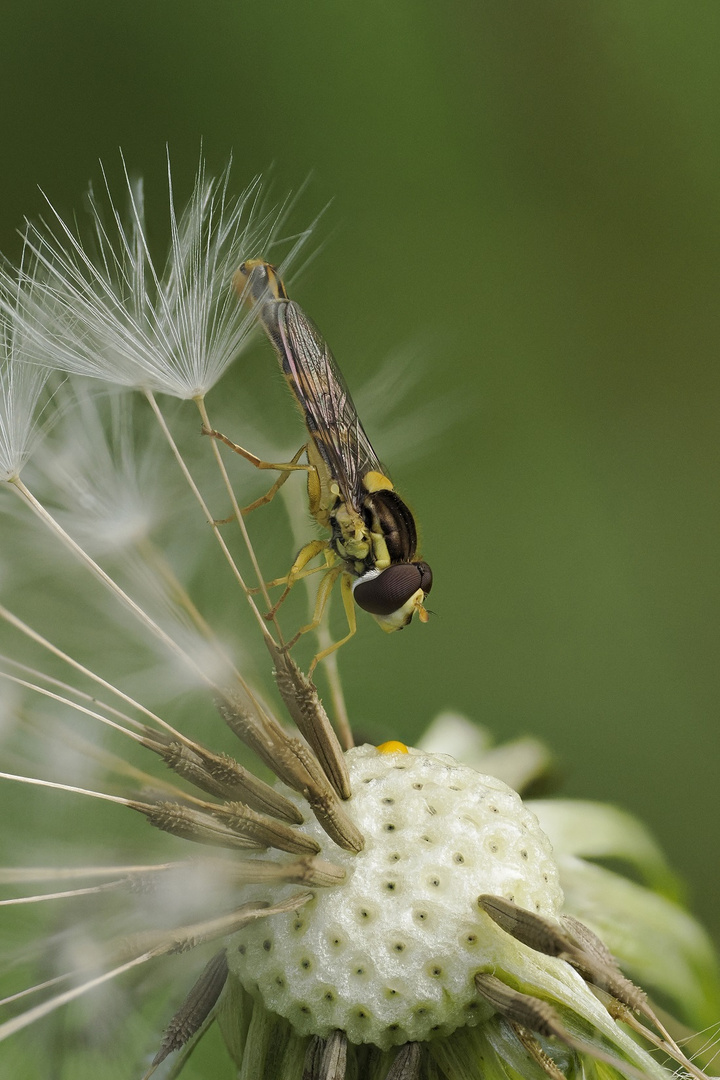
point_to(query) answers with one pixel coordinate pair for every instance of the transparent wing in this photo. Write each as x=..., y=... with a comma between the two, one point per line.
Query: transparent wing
x=330, y=415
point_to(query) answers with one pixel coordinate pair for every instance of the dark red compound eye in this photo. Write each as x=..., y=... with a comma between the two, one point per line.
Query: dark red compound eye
x=390, y=590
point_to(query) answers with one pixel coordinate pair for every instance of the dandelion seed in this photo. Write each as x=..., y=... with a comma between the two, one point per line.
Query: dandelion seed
x=106, y=308
x=103, y=476
x=21, y=389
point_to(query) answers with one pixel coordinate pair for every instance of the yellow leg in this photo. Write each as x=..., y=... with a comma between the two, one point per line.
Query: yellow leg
x=297, y=577
x=285, y=466
x=283, y=580
x=323, y=595
x=270, y=495
x=349, y=605
x=297, y=571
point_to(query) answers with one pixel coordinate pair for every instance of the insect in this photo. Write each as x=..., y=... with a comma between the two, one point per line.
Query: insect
x=373, y=538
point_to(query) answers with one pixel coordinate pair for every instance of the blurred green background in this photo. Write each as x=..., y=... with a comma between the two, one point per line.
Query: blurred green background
x=527, y=195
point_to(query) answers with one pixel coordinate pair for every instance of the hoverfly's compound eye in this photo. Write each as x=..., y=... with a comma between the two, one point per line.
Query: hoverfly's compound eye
x=256, y=280
x=425, y=576
x=256, y=270
x=390, y=590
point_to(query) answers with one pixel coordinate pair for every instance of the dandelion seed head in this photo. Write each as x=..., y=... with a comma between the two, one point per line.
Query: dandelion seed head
x=106, y=483
x=390, y=955
x=21, y=388
x=104, y=306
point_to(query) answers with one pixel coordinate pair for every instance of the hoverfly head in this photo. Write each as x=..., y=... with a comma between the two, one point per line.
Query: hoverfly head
x=392, y=596
x=256, y=280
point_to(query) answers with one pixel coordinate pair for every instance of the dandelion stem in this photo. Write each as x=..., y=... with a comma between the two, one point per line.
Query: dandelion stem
x=46, y=517
x=202, y=409
x=337, y=696
x=210, y=519
x=27, y=1018
x=23, y=627
x=296, y=512
x=179, y=593
x=37, y=782
x=68, y=894
x=71, y=704
x=15, y=875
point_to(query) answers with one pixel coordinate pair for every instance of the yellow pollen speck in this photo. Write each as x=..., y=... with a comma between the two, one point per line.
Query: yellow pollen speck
x=392, y=747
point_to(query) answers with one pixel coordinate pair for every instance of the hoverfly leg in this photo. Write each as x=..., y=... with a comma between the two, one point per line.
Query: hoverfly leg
x=254, y=590
x=270, y=495
x=349, y=605
x=270, y=615
x=323, y=595
x=298, y=571
x=284, y=466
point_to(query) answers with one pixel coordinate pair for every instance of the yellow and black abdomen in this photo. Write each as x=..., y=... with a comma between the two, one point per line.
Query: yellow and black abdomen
x=388, y=516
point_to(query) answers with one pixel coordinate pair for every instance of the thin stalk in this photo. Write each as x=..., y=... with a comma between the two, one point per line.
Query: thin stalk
x=46, y=517
x=206, y=511
x=112, y=763
x=33, y=635
x=159, y=563
x=177, y=940
x=202, y=409
x=296, y=515
x=68, y=894
x=33, y=989
x=81, y=695
x=18, y=875
x=35, y=781
x=71, y=704
x=337, y=696
x=27, y=1018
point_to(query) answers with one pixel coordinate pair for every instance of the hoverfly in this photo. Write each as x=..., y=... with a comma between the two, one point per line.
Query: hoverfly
x=373, y=539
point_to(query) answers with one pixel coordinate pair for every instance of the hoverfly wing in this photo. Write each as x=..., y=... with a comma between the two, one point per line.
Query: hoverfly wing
x=330, y=414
